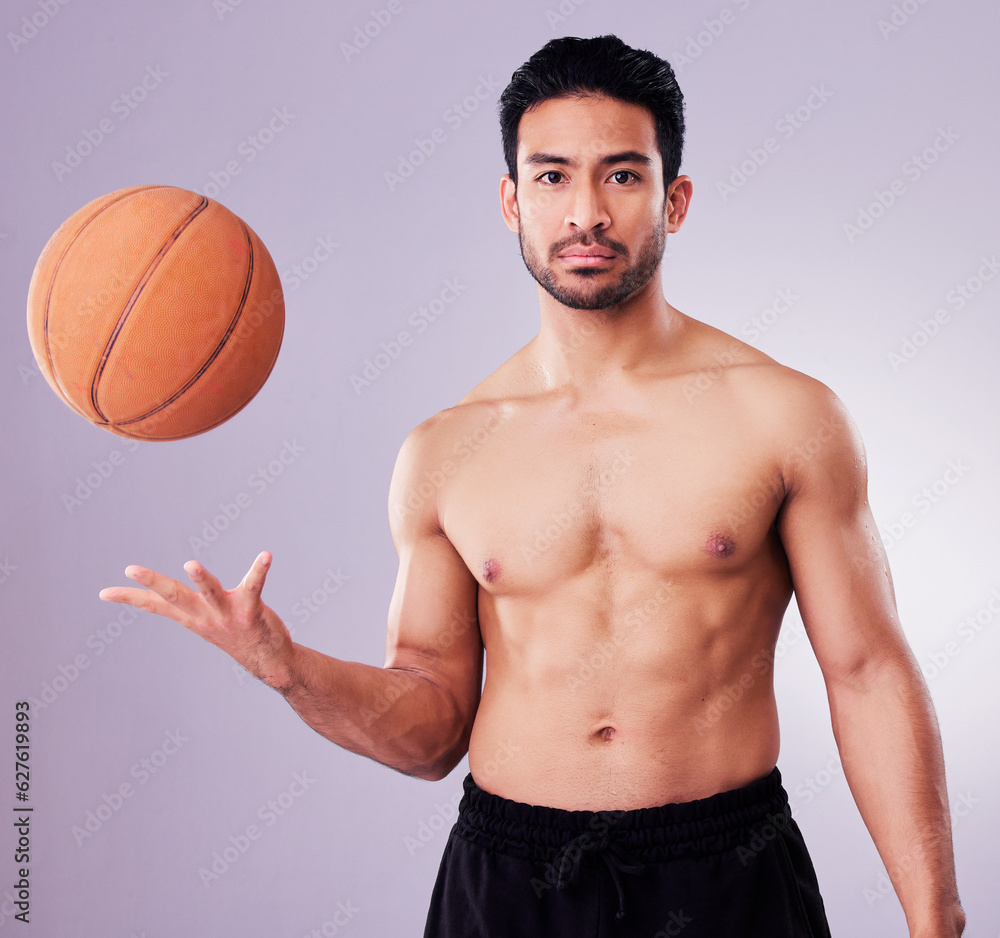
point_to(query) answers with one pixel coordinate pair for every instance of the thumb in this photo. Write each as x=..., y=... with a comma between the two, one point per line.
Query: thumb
x=253, y=582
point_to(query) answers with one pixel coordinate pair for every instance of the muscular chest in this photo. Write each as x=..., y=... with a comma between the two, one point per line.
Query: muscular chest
x=547, y=500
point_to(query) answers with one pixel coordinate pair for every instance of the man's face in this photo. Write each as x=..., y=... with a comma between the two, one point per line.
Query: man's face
x=589, y=209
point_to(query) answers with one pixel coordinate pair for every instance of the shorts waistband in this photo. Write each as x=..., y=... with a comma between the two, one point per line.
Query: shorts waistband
x=703, y=827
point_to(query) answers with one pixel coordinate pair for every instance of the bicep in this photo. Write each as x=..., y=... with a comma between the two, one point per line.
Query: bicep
x=838, y=564
x=433, y=623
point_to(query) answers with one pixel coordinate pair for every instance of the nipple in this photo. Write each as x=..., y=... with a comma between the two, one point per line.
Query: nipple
x=491, y=569
x=720, y=545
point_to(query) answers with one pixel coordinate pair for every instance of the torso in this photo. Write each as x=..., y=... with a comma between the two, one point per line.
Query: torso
x=631, y=579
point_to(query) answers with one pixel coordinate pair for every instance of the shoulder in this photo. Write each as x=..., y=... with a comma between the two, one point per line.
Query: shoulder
x=433, y=454
x=806, y=423
x=760, y=380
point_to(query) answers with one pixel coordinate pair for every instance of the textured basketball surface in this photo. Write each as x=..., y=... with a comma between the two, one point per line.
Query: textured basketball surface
x=155, y=313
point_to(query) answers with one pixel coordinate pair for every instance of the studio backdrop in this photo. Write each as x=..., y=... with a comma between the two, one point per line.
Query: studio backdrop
x=844, y=221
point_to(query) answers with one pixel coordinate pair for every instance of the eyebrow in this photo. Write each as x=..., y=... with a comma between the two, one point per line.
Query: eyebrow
x=626, y=156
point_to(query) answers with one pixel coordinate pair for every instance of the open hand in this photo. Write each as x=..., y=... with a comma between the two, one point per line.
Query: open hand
x=235, y=620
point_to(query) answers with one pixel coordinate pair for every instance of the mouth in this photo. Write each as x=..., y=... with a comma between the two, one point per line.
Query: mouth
x=587, y=256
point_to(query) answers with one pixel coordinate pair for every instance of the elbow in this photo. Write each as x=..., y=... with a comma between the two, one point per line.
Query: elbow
x=434, y=772
x=435, y=755
x=434, y=739
x=864, y=673
x=434, y=768
x=445, y=760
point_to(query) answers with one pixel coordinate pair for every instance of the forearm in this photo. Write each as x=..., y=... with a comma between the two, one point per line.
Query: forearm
x=888, y=737
x=397, y=717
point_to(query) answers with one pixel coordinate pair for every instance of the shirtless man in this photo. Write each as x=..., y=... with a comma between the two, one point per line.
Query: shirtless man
x=618, y=516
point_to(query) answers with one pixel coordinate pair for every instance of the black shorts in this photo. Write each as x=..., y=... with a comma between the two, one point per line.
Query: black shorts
x=733, y=864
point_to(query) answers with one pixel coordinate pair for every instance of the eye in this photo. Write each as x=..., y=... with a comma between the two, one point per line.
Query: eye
x=546, y=180
x=623, y=176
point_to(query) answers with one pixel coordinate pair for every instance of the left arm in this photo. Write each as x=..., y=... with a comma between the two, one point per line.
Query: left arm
x=883, y=718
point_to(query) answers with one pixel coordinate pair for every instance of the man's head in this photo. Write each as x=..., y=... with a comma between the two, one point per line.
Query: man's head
x=595, y=131
x=603, y=66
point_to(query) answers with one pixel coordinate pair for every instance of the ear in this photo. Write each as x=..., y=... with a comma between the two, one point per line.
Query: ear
x=508, y=203
x=677, y=203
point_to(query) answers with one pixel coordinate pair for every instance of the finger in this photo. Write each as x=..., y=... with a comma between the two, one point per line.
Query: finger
x=144, y=600
x=253, y=582
x=208, y=585
x=172, y=591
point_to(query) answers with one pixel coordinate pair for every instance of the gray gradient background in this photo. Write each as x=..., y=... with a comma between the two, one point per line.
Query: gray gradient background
x=345, y=839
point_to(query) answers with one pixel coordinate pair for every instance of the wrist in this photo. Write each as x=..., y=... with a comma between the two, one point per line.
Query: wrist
x=284, y=670
x=947, y=924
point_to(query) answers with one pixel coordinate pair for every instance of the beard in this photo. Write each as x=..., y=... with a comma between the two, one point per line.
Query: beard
x=578, y=293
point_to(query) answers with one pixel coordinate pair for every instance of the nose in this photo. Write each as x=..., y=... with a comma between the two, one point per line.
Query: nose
x=587, y=209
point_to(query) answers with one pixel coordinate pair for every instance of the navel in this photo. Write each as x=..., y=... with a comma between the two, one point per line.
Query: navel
x=606, y=733
x=720, y=545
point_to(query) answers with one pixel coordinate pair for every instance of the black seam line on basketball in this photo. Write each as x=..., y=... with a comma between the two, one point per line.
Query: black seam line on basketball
x=183, y=436
x=211, y=426
x=52, y=286
x=134, y=298
x=218, y=348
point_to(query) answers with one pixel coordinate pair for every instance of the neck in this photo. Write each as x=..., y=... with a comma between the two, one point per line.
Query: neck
x=585, y=347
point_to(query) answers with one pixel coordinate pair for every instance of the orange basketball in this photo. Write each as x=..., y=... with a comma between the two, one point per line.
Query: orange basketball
x=155, y=313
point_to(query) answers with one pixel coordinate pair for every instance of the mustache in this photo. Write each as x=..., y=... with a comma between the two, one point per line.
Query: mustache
x=587, y=242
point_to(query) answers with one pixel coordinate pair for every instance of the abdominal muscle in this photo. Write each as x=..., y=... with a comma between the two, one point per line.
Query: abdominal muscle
x=586, y=709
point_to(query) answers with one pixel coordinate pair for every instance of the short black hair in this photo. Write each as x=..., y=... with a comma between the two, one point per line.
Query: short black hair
x=605, y=65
